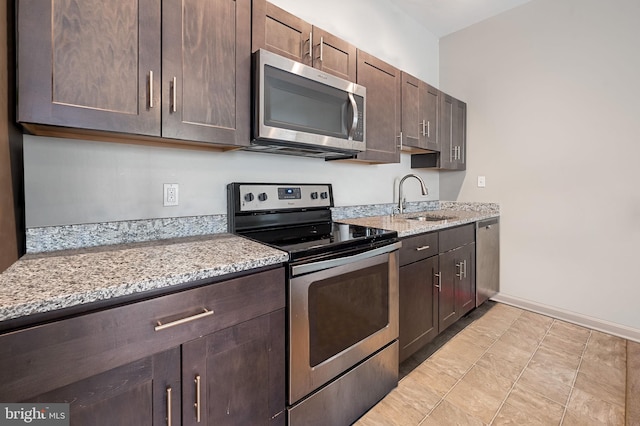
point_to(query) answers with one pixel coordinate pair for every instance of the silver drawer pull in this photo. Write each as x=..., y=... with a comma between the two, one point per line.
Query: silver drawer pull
x=422, y=248
x=150, y=89
x=169, y=406
x=162, y=326
x=197, y=404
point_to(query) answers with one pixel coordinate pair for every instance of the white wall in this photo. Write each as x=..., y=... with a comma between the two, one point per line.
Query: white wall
x=552, y=89
x=72, y=181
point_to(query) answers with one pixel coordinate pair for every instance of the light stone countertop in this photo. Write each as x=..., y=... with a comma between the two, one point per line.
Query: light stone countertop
x=43, y=283
x=407, y=227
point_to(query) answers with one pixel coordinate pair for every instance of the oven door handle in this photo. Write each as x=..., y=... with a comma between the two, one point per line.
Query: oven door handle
x=333, y=263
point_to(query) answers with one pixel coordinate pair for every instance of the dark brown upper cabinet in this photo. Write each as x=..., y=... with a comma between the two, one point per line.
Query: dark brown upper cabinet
x=429, y=100
x=278, y=31
x=90, y=64
x=419, y=115
x=383, y=109
x=171, y=69
x=453, y=136
x=206, y=69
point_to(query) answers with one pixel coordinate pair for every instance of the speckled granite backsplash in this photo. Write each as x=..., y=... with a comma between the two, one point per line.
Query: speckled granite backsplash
x=53, y=238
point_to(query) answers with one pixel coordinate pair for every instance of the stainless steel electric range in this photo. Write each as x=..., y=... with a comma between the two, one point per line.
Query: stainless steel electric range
x=342, y=299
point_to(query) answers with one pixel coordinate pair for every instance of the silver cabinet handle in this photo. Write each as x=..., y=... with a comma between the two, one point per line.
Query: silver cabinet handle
x=439, y=285
x=197, y=403
x=175, y=95
x=354, y=123
x=310, y=45
x=423, y=124
x=169, y=406
x=150, y=89
x=400, y=141
x=428, y=128
x=465, y=268
x=160, y=326
x=321, y=48
x=459, y=268
x=422, y=248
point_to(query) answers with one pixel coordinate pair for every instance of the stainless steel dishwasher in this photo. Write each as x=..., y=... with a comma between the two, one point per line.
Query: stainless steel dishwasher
x=487, y=259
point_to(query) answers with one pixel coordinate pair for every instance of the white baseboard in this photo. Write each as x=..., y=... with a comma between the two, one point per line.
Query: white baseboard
x=619, y=330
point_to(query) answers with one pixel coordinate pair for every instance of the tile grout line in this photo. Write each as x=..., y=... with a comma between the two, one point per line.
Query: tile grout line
x=521, y=373
x=467, y=371
x=575, y=378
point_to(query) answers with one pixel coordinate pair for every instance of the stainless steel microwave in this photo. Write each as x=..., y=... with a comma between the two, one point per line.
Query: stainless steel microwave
x=299, y=110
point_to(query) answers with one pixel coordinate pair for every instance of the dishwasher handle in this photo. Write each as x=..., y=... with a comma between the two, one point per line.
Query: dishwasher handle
x=486, y=223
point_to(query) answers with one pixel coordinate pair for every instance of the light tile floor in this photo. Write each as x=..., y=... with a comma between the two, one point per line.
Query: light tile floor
x=513, y=367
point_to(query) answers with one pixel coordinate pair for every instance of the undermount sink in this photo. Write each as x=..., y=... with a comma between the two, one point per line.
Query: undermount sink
x=430, y=218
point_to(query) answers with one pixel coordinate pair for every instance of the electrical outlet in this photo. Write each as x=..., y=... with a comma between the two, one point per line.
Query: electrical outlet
x=481, y=182
x=170, y=194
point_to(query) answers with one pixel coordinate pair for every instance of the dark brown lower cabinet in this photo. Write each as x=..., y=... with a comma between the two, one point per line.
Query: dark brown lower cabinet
x=457, y=296
x=448, y=314
x=141, y=363
x=419, y=305
x=236, y=376
x=437, y=284
x=466, y=284
x=143, y=392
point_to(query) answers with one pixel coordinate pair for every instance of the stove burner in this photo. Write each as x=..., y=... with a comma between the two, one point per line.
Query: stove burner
x=296, y=218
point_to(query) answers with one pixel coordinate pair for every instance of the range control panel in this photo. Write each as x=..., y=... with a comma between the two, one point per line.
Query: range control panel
x=256, y=197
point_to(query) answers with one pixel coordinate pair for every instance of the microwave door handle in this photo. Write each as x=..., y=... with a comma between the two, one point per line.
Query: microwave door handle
x=354, y=123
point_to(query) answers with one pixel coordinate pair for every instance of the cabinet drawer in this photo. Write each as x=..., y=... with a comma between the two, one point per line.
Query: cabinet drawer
x=418, y=247
x=449, y=239
x=48, y=356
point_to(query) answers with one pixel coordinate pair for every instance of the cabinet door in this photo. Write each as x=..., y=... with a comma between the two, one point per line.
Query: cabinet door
x=429, y=101
x=447, y=312
x=280, y=32
x=418, y=305
x=90, y=64
x=143, y=392
x=445, y=130
x=206, y=70
x=238, y=373
x=411, y=117
x=333, y=55
x=466, y=283
x=383, y=109
x=459, y=134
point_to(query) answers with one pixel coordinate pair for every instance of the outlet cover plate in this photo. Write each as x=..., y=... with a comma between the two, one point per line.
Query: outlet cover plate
x=170, y=194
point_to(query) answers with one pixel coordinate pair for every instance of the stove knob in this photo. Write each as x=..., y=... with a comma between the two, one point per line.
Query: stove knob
x=262, y=196
x=248, y=197
x=324, y=195
x=314, y=195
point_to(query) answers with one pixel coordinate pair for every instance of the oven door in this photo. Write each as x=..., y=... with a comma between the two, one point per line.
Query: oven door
x=341, y=311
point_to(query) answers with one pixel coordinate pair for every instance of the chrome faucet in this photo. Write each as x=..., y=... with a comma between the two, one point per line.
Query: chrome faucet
x=401, y=202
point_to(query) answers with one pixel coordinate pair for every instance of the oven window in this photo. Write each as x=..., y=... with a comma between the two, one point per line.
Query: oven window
x=345, y=309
